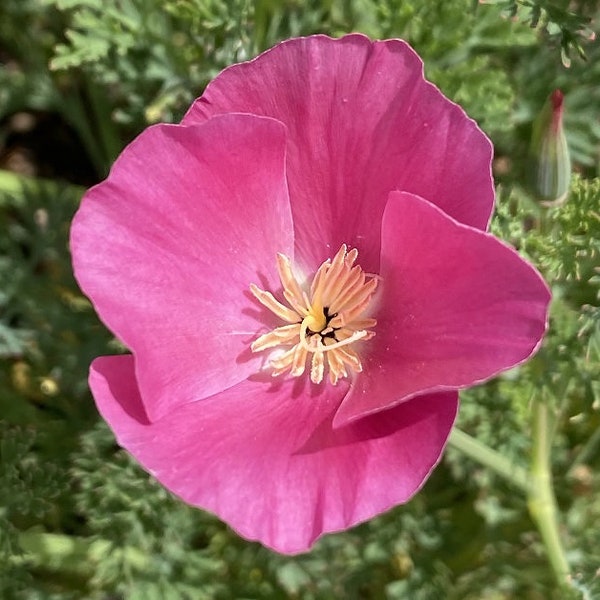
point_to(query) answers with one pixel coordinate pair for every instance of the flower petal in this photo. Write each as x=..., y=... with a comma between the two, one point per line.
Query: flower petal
x=362, y=121
x=457, y=306
x=167, y=246
x=265, y=458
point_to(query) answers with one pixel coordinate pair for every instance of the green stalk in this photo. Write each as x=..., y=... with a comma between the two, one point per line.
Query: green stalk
x=541, y=499
x=484, y=455
x=536, y=484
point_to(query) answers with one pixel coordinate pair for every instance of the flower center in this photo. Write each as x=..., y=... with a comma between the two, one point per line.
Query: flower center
x=324, y=322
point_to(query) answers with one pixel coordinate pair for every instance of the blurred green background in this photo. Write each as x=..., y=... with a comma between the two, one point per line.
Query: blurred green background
x=78, y=519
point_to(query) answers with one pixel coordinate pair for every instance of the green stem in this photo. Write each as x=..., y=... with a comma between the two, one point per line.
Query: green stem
x=541, y=498
x=492, y=459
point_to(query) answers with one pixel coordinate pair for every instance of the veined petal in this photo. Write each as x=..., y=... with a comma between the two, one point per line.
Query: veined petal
x=362, y=121
x=457, y=306
x=167, y=245
x=266, y=459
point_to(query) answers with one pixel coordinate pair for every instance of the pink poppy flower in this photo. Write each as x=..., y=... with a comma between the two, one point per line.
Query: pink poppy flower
x=302, y=274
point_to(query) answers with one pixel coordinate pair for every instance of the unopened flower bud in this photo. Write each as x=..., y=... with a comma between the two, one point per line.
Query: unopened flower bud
x=549, y=158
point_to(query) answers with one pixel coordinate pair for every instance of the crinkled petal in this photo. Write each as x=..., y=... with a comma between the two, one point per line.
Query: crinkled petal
x=167, y=246
x=266, y=459
x=362, y=122
x=457, y=306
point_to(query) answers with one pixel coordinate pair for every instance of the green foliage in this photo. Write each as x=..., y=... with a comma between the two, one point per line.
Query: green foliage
x=27, y=488
x=564, y=242
x=460, y=46
x=53, y=332
x=118, y=65
x=155, y=56
x=20, y=86
x=78, y=517
x=569, y=23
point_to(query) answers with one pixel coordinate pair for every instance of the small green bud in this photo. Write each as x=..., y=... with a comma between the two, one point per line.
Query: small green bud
x=549, y=160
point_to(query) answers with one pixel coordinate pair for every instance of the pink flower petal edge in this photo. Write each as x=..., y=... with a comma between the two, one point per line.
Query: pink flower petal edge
x=267, y=460
x=167, y=246
x=457, y=307
x=361, y=121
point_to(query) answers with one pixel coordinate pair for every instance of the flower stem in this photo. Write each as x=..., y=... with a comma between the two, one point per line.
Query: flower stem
x=541, y=499
x=537, y=484
x=492, y=459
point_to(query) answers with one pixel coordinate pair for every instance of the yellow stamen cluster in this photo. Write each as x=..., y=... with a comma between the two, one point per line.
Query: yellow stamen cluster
x=324, y=323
